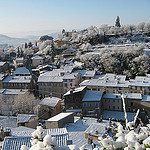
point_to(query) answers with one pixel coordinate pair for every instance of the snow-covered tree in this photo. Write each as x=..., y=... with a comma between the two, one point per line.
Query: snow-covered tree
x=141, y=26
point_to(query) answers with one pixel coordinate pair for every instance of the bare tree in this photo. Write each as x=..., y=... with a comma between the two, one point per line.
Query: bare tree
x=24, y=103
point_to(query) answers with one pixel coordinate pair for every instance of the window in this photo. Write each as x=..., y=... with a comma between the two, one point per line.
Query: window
x=70, y=84
x=43, y=84
x=140, y=88
x=71, y=80
x=113, y=100
x=49, y=84
x=118, y=107
x=113, y=107
x=65, y=84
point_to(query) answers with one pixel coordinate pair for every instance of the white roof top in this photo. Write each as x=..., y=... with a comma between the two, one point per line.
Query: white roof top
x=21, y=58
x=14, y=91
x=2, y=63
x=1, y=76
x=132, y=95
x=100, y=127
x=117, y=115
x=92, y=96
x=21, y=70
x=76, y=90
x=17, y=79
x=86, y=73
x=37, y=57
x=50, y=78
x=59, y=116
x=22, y=131
x=21, y=118
x=70, y=76
x=50, y=101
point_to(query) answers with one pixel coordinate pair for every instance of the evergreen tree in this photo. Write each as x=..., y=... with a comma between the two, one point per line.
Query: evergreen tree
x=25, y=45
x=63, y=31
x=29, y=44
x=117, y=24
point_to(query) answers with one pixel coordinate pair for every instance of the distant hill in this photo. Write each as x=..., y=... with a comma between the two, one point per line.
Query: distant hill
x=11, y=40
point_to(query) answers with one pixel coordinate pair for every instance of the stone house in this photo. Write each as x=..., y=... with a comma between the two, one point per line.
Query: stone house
x=92, y=103
x=37, y=60
x=49, y=106
x=73, y=98
x=59, y=120
x=27, y=120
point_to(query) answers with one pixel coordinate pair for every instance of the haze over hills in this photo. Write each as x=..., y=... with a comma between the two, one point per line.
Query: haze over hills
x=11, y=40
x=17, y=39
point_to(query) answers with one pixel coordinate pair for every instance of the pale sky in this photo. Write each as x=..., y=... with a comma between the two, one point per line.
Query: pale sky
x=33, y=15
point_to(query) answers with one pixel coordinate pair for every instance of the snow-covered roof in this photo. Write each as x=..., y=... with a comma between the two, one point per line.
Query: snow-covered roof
x=100, y=127
x=70, y=76
x=14, y=143
x=59, y=116
x=56, y=131
x=50, y=78
x=17, y=79
x=1, y=91
x=132, y=95
x=86, y=73
x=117, y=115
x=22, y=131
x=105, y=83
x=50, y=101
x=21, y=70
x=112, y=96
x=92, y=96
x=2, y=63
x=18, y=59
x=22, y=118
x=14, y=91
x=8, y=121
x=75, y=90
x=37, y=57
x=1, y=76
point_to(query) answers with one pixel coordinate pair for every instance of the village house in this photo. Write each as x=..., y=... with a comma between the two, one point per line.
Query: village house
x=61, y=42
x=17, y=82
x=112, y=83
x=49, y=106
x=37, y=60
x=59, y=120
x=69, y=52
x=21, y=71
x=20, y=79
x=57, y=82
x=86, y=74
x=4, y=67
x=27, y=120
x=2, y=77
x=19, y=62
x=112, y=101
x=73, y=98
x=92, y=103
